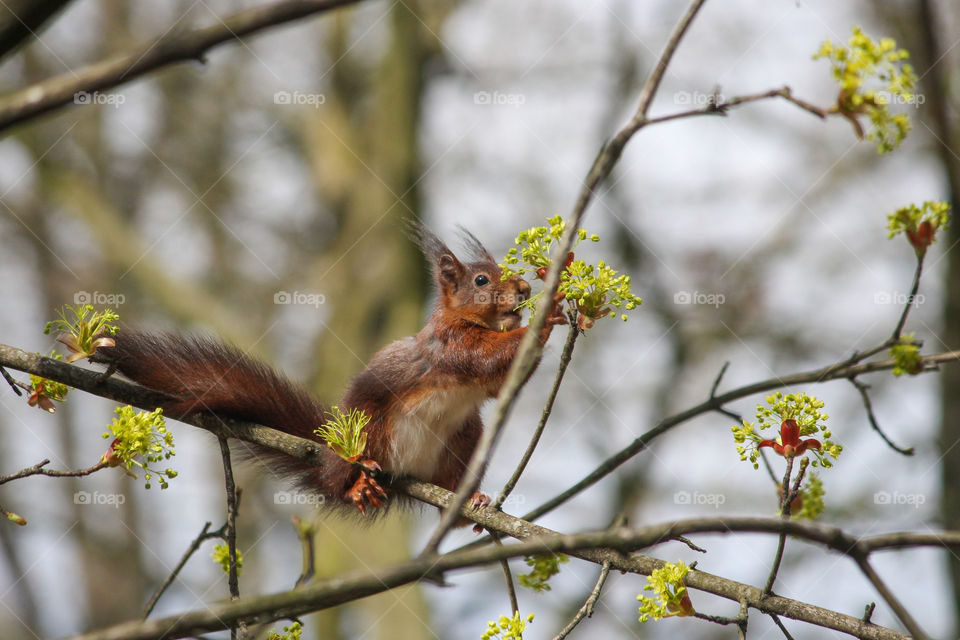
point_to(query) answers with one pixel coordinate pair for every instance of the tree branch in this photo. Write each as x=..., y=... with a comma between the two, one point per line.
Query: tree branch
x=171, y=48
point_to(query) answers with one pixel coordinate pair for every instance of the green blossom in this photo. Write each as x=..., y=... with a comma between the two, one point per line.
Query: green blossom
x=507, y=628
x=799, y=407
x=907, y=356
x=343, y=432
x=872, y=75
x=544, y=567
x=597, y=291
x=44, y=392
x=671, y=598
x=85, y=330
x=811, y=497
x=291, y=632
x=919, y=224
x=140, y=439
x=221, y=555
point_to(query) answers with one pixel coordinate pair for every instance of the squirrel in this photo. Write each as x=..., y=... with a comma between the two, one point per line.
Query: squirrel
x=422, y=393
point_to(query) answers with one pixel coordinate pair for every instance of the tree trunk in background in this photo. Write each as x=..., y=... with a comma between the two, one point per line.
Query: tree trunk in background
x=364, y=150
x=937, y=68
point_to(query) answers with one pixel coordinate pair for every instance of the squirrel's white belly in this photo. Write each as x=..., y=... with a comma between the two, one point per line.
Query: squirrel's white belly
x=428, y=422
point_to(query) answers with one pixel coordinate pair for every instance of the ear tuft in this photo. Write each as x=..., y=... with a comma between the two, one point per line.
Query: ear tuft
x=478, y=253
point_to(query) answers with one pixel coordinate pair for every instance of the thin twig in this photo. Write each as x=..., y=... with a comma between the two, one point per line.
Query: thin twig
x=11, y=381
x=508, y=578
x=565, y=357
x=529, y=348
x=230, y=530
x=691, y=545
x=783, y=629
x=785, y=514
x=901, y=612
x=194, y=546
x=306, y=532
x=171, y=48
x=586, y=610
x=865, y=396
x=910, y=300
x=38, y=470
x=844, y=369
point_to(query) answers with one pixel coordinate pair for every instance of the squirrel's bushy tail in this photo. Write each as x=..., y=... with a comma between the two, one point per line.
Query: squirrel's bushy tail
x=203, y=375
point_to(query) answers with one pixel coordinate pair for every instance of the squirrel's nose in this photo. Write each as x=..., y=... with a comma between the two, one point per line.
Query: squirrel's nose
x=523, y=288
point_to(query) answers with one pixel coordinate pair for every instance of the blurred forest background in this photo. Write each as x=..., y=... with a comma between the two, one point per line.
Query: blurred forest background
x=286, y=162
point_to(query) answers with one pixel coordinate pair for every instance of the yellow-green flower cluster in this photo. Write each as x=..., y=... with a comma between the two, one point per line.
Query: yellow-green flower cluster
x=907, y=357
x=595, y=293
x=595, y=290
x=909, y=218
x=291, y=632
x=507, y=628
x=534, y=247
x=671, y=597
x=545, y=566
x=803, y=408
x=811, y=496
x=343, y=432
x=871, y=75
x=143, y=435
x=221, y=555
x=85, y=330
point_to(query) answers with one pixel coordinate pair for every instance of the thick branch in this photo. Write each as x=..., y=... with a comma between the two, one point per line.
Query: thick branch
x=171, y=48
x=21, y=19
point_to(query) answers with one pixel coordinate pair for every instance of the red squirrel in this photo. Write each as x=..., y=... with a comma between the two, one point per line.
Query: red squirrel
x=422, y=393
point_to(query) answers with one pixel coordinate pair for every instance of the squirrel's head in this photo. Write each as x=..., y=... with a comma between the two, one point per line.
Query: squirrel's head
x=472, y=289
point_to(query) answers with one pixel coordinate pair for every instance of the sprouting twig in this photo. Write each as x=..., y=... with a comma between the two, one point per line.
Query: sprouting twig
x=910, y=300
x=38, y=470
x=784, y=513
x=204, y=535
x=865, y=396
x=783, y=629
x=565, y=357
x=586, y=610
x=11, y=381
x=508, y=577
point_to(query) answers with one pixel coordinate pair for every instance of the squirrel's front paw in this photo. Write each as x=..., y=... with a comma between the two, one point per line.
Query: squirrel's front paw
x=478, y=500
x=366, y=488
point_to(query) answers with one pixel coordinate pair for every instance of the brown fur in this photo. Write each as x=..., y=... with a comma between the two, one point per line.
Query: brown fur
x=459, y=358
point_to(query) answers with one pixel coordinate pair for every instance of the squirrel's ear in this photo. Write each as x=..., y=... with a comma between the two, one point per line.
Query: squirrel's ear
x=449, y=270
x=478, y=253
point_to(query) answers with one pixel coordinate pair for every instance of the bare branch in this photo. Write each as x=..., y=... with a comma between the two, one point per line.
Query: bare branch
x=586, y=610
x=868, y=406
x=529, y=349
x=170, y=48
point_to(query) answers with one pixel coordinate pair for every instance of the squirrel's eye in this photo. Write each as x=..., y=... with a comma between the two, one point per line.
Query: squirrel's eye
x=481, y=280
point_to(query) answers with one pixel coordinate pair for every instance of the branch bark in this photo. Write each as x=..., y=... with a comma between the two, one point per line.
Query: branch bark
x=171, y=48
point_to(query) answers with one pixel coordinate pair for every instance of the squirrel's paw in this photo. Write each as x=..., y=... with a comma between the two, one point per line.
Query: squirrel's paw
x=558, y=315
x=478, y=500
x=366, y=489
